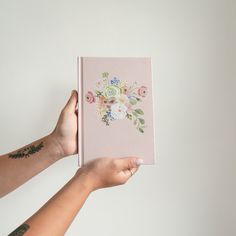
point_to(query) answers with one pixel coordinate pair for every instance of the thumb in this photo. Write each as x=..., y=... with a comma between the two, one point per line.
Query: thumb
x=126, y=163
x=72, y=102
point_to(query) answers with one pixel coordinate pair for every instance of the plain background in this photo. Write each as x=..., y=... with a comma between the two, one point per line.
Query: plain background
x=192, y=189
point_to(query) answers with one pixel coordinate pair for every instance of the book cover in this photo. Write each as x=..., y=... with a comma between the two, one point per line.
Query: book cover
x=116, y=115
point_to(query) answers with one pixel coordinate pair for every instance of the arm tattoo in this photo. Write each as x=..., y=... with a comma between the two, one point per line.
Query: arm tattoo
x=26, y=152
x=20, y=230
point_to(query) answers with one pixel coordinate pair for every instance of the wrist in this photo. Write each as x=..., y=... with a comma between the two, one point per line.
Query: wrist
x=83, y=178
x=56, y=150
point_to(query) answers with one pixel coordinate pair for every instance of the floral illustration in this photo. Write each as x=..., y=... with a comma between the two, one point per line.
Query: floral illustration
x=116, y=100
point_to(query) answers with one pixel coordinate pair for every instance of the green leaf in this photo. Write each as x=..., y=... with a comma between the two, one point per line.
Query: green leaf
x=139, y=111
x=105, y=74
x=129, y=116
x=141, y=130
x=98, y=92
x=133, y=101
x=141, y=120
x=134, y=113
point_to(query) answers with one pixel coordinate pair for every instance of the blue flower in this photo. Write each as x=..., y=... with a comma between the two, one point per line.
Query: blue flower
x=115, y=81
x=109, y=115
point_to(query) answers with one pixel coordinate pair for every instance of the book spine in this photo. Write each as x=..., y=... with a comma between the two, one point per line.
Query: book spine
x=80, y=111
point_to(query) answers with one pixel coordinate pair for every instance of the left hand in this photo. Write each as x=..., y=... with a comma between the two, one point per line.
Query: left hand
x=65, y=132
x=107, y=172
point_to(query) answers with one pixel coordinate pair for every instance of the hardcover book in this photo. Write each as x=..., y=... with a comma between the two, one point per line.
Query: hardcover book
x=116, y=115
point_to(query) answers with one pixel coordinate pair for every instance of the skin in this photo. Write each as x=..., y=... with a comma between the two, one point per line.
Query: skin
x=61, y=142
x=57, y=214
x=28, y=161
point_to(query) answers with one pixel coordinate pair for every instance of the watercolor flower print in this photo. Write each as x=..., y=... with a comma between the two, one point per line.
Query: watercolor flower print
x=116, y=100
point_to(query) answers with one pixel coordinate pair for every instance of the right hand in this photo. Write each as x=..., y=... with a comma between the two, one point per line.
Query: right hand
x=107, y=172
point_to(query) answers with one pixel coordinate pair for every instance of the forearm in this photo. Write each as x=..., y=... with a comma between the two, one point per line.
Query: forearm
x=19, y=166
x=57, y=214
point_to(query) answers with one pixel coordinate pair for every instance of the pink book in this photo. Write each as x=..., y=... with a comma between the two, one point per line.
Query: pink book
x=116, y=117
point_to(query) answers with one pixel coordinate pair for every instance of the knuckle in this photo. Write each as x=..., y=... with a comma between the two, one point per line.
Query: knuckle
x=114, y=164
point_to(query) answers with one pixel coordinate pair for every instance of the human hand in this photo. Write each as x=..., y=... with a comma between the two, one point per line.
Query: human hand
x=65, y=132
x=107, y=172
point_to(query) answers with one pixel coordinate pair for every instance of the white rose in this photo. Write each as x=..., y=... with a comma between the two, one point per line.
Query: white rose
x=118, y=111
x=112, y=91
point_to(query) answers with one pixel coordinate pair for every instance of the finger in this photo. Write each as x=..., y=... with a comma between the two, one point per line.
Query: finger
x=126, y=163
x=134, y=170
x=72, y=102
x=130, y=172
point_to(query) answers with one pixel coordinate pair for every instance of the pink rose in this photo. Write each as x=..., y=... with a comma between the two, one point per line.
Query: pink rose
x=102, y=101
x=90, y=97
x=112, y=100
x=142, y=91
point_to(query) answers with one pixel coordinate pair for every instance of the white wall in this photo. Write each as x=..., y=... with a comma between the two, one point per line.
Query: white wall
x=192, y=189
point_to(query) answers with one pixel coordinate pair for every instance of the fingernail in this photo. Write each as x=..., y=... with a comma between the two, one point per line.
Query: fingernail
x=72, y=92
x=139, y=161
